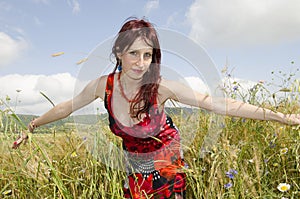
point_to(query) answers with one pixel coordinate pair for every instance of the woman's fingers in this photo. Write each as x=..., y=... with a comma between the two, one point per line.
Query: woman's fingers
x=293, y=119
x=20, y=139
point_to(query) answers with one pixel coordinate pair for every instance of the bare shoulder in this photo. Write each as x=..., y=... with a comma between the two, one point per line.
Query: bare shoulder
x=167, y=85
x=165, y=89
x=100, y=84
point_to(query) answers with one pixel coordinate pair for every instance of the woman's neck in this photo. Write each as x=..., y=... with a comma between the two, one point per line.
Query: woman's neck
x=129, y=84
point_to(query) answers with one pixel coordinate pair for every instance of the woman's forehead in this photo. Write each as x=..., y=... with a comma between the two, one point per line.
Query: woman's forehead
x=141, y=43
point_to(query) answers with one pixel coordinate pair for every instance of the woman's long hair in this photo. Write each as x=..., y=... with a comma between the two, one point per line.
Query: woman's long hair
x=130, y=31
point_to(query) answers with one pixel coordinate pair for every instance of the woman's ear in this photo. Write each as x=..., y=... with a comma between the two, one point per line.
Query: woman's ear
x=119, y=56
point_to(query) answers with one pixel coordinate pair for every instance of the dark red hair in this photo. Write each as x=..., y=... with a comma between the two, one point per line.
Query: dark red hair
x=130, y=31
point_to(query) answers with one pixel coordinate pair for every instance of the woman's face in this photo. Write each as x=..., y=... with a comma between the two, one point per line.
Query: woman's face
x=136, y=59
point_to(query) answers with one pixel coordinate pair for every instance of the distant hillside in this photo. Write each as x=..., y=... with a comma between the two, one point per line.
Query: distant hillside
x=82, y=119
x=93, y=119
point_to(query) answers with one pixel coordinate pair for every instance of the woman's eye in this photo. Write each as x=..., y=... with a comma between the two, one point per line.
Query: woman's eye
x=148, y=55
x=133, y=53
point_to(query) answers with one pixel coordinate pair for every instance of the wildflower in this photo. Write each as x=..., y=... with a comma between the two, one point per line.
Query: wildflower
x=7, y=192
x=233, y=171
x=82, y=171
x=228, y=185
x=230, y=174
x=283, y=187
x=74, y=154
x=272, y=144
x=280, y=129
x=251, y=160
x=235, y=88
x=275, y=164
x=283, y=151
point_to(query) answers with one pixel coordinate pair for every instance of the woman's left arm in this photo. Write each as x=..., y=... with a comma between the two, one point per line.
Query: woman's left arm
x=224, y=106
x=245, y=110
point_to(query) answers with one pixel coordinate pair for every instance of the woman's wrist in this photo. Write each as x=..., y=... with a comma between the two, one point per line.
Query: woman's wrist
x=279, y=117
x=32, y=125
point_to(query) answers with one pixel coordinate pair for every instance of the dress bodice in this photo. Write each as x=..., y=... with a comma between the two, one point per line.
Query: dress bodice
x=152, y=133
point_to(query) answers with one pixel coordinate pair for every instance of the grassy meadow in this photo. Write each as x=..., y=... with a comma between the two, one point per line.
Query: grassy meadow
x=247, y=158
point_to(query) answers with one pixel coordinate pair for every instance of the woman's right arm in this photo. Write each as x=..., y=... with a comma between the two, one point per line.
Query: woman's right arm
x=93, y=90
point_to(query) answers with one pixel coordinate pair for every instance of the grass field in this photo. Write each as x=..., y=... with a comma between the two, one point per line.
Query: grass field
x=247, y=159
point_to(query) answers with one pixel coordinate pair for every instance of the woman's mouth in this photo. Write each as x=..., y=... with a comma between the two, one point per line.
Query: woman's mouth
x=137, y=71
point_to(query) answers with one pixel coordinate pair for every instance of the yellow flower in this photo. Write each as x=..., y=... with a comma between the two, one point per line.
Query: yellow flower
x=280, y=130
x=283, y=187
x=74, y=154
x=275, y=164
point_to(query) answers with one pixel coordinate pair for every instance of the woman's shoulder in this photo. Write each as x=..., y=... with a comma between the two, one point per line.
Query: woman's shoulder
x=165, y=89
x=100, y=84
x=166, y=84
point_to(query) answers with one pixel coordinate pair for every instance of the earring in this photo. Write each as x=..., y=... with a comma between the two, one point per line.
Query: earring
x=119, y=68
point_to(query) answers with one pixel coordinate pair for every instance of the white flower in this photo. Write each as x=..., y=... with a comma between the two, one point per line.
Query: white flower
x=283, y=187
x=284, y=151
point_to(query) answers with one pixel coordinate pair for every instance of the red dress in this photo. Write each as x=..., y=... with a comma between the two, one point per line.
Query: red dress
x=154, y=159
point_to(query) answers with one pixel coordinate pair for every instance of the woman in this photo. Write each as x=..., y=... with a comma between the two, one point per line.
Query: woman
x=134, y=95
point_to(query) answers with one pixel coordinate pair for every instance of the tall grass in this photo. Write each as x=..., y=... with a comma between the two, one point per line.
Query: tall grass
x=248, y=160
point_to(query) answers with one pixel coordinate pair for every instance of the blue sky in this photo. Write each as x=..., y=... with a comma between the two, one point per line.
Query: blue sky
x=252, y=37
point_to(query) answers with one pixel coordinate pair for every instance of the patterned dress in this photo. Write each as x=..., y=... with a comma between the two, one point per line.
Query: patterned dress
x=154, y=160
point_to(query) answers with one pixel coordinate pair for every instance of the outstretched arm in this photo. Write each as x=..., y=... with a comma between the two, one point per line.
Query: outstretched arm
x=245, y=110
x=225, y=106
x=64, y=109
x=91, y=92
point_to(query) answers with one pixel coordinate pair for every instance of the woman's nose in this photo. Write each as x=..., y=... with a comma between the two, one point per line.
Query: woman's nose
x=140, y=61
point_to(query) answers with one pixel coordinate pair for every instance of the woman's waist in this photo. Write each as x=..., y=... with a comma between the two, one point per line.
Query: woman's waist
x=150, y=143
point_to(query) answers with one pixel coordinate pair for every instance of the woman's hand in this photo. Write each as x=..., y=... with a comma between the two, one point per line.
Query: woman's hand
x=22, y=138
x=291, y=119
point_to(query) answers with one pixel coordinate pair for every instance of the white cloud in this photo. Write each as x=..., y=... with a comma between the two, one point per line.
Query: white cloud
x=235, y=22
x=151, y=5
x=74, y=4
x=58, y=87
x=11, y=48
x=171, y=20
x=197, y=84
